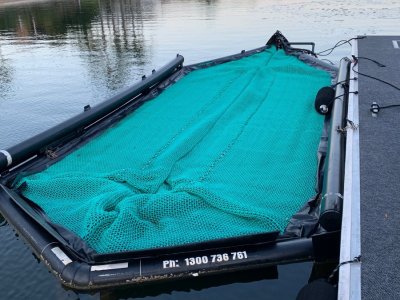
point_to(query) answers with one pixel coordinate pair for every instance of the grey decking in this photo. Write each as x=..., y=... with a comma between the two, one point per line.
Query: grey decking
x=379, y=169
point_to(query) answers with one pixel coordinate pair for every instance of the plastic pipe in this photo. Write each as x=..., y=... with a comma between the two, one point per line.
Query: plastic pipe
x=32, y=146
x=332, y=194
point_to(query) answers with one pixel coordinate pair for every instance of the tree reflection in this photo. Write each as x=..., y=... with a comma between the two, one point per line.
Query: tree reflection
x=6, y=76
x=49, y=19
x=114, y=42
x=108, y=33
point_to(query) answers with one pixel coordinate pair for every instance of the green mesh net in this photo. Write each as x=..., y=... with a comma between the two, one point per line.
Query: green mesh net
x=227, y=151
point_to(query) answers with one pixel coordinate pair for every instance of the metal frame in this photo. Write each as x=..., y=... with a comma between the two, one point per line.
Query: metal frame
x=350, y=274
x=312, y=44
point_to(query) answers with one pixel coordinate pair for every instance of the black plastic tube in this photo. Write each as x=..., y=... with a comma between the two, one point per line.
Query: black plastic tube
x=136, y=270
x=32, y=146
x=332, y=199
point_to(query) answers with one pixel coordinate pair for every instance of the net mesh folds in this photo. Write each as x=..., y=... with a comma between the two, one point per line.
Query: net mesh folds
x=228, y=150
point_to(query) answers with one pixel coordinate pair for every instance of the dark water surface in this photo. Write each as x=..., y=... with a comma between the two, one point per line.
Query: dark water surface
x=57, y=56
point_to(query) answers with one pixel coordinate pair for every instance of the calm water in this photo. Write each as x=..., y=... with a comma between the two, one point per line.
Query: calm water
x=58, y=56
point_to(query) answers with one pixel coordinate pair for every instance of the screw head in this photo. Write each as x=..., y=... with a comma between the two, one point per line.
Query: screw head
x=323, y=109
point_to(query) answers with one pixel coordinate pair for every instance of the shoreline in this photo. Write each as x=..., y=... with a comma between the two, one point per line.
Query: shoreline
x=5, y=3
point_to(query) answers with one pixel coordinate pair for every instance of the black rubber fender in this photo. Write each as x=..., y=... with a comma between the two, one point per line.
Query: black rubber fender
x=324, y=100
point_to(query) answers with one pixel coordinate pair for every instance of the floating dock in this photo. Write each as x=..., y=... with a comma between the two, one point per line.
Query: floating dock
x=370, y=225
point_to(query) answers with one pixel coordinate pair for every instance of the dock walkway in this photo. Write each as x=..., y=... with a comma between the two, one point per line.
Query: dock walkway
x=373, y=224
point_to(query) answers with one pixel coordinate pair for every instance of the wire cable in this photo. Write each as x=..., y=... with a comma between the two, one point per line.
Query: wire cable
x=375, y=108
x=355, y=59
x=356, y=259
x=338, y=44
x=343, y=81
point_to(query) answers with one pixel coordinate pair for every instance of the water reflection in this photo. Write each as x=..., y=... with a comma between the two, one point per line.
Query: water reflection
x=264, y=275
x=58, y=55
x=67, y=54
x=114, y=43
x=52, y=18
x=6, y=77
x=108, y=34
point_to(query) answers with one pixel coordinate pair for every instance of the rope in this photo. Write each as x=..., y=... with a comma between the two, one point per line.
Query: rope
x=356, y=259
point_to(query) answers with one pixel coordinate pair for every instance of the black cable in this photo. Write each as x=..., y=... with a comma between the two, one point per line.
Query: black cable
x=340, y=82
x=355, y=93
x=389, y=106
x=345, y=87
x=370, y=59
x=338, y=44
x=369, y=76
x=337, y=97
x=375, y=108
